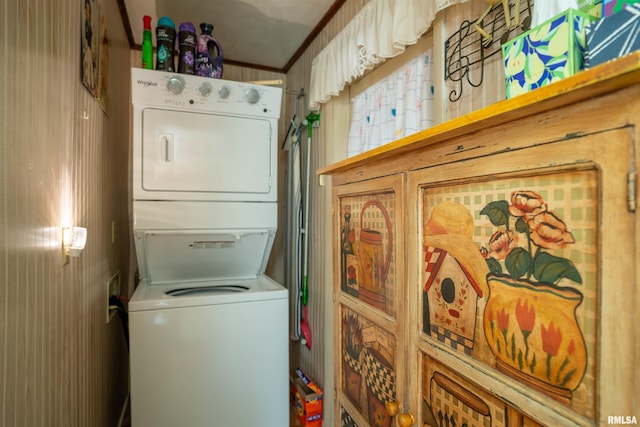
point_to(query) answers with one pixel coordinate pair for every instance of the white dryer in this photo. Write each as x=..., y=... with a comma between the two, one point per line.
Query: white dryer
x=208, y=329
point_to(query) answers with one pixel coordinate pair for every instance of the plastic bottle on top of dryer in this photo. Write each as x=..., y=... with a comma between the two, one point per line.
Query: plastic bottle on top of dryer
x=209, y=54
x=166, y=41
x=187, y=44
x=147, y=44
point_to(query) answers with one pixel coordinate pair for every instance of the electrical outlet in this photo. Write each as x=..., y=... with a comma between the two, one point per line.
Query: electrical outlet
x=113, y=289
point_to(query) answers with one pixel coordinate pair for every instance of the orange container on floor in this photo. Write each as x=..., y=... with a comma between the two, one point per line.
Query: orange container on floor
x=307, y=400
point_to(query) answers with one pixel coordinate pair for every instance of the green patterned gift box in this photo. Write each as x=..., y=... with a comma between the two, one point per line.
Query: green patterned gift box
x=547, y=53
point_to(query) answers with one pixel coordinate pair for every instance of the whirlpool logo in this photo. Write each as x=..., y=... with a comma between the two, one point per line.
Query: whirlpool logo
x=147, y=83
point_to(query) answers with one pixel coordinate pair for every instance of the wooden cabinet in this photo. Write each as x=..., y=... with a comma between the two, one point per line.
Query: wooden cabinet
x=486, y=269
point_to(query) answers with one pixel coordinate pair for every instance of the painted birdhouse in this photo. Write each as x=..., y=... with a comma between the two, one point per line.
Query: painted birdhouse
x=454, y=278
x=451, y=300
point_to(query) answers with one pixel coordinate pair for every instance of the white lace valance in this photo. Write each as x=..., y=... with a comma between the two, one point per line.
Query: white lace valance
x=381, y=30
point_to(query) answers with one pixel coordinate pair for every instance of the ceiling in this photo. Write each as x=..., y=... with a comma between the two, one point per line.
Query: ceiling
x=262, y=34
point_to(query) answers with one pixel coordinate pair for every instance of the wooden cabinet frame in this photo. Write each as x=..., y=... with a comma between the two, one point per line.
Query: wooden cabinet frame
x=584, y=127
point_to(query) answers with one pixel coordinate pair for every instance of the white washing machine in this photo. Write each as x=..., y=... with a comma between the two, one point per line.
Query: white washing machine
x=208, y=329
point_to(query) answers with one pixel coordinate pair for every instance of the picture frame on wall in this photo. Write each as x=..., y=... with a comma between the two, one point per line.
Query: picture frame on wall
x=90, y=45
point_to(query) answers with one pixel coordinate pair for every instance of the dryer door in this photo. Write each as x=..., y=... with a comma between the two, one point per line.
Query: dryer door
x=207, y=156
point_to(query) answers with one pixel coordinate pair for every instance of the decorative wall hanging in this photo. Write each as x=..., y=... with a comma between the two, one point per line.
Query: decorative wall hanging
x=90, y=45
x=467, y=49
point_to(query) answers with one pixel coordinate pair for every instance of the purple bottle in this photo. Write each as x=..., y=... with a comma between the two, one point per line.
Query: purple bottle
x=209, y=54
x=187, y=44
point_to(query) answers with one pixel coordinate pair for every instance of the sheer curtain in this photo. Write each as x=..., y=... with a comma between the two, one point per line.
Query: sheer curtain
x=399, y=105
x=381, y=30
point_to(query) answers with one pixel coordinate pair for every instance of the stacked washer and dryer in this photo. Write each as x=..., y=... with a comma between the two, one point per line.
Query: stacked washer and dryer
x=208, y=329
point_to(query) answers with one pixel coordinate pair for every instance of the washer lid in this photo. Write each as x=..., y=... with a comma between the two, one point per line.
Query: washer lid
x=196, y=255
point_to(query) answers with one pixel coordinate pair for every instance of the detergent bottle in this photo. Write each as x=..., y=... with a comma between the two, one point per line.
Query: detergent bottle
x=147, y=45
x=209, y=54
x=166, y=40
x=187, y=44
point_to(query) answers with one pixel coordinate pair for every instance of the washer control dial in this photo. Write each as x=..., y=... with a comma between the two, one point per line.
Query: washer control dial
x=252, y=96
x=176, y=84
x=205, y=89
x=224, y=92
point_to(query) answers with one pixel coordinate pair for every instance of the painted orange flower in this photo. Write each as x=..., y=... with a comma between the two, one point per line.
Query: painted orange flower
x=551, y=339
x=550, y=232
x=525, y=315
x=500, y=244
x=526, y=203
x=503, y=320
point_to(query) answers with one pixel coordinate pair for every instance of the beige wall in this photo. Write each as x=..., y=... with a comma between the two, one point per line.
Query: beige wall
x=63, y=160
x=330, y=146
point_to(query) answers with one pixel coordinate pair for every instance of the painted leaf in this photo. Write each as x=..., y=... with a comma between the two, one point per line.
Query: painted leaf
x=557, y=61
x=498, y=212
x=521, y=225
x=518, y=262
x=540, y=32
x=550, y=269
x=494, y=266
x=551, y=34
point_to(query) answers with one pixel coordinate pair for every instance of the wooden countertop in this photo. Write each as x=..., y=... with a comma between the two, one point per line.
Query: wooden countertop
x=604, y=78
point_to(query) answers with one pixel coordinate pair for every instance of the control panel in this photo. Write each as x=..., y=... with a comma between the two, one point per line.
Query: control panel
x=152, y=88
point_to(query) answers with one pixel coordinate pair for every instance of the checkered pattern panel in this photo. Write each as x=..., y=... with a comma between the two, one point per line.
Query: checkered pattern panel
x=455, y=412
x=346, y=420
x=353, y=363
x=379, y=379
x=452, y=339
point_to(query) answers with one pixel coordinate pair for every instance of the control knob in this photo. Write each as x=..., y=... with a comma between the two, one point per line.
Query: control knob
x=175, y=85
x=252, y=96
x=205, y=89
x=224, y=92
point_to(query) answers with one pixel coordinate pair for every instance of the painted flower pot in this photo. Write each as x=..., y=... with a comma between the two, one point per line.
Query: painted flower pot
x=533, y=332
